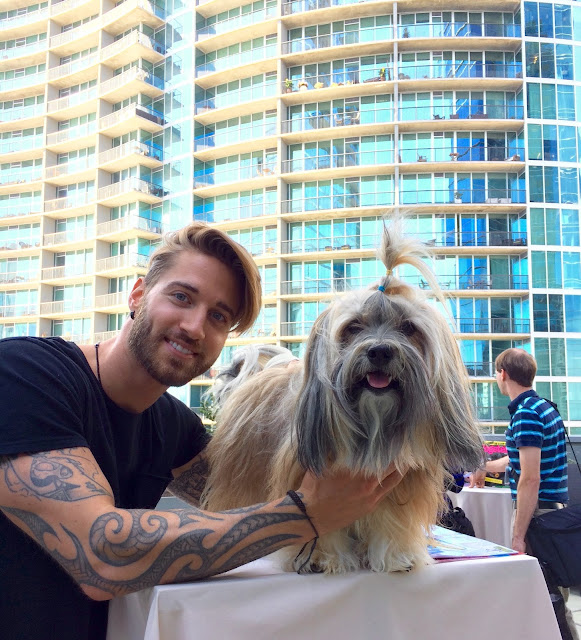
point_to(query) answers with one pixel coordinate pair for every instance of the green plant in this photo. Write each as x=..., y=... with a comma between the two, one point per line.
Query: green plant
x=288, y=83
x=208, y=408
x=457, y=195
x=382, y=73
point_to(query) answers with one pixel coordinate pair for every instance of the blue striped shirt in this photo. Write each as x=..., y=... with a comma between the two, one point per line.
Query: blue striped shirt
x=536, y=423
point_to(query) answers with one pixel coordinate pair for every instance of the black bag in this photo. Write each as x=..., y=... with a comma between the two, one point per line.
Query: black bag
x=555, y=539
x=456, y=520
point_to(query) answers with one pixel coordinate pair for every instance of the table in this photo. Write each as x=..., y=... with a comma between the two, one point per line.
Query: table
x=452, y=600
x=490, y=511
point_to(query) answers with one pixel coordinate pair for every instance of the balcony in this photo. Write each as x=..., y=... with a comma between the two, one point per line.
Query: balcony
x=130, y=83
x=493, y=325
x=352, y=117
x=211, y=177
x=469, y=238
x=338, y=161
x=475, y=282
x=13, y=208
x=242, y=135
x=339, y=79
x=481, y=369
x=432, y=31
x=301, y=6
x=261, y=97
x=122, y=228
x=326, y=286
x=12, y=118
x=133, y=116
x=82, y=169
x=66, y=306
x=241, y=21
x=19, y=277
x=15, y=180
x=462, y=110
x=448, y=152
x=131, y=12
x=73, y=73
x=75, y=137
x=25, y=55
x=480, y=197
x=65, y=11
x=18, y=310
x=359, y=38
x=112, y=300
x=126, y=262
x=23, y=24
x=259, y=59
x=130, y=154
x=242, y=212
x=378, y=200
x=368, y=242
x=64, y=43
x=101, y=336
x=71, y=102
x=22, y=244
x=448, y=70
x=22, y=86
x=296, y=329
x=129, y=190
x=79, y=201
x=21, y=147
x=133, y=46
x=72, y=236
x=78, y=272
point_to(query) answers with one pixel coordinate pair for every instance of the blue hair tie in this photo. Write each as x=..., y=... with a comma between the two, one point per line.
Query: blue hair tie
x=381, y=287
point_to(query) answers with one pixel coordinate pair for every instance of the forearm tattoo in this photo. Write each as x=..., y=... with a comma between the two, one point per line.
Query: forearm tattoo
x=190, y=484
x=138, y=539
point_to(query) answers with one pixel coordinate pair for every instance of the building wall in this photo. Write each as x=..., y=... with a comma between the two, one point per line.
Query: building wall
x=295, y=127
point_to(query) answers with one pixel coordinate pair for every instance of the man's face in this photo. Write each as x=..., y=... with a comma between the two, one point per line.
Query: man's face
x=500, y=375
x=182, y=322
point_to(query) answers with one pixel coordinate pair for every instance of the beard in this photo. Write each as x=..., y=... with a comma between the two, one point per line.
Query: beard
x=144, y=346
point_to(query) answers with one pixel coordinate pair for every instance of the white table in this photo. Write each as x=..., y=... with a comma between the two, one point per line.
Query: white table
x=489, y=510
x=476, y=599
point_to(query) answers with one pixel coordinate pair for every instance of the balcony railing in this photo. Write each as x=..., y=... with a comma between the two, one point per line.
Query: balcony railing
x=481, y=369
x=338, y=39
x=82, y=164
x=23, y=143
x=66, y=306
x=12, y=208
x=25, y=50
x=339, y=79
x=23, y=81
x=459, y=30
x=131, y=111
x=128, y=223
x=65, y=5
x=209, y=177
x=304, y=287
x=463, y=110
x=234, y=98
x=238, y=22
x=464, y=196
x=20, y=176
x=301, y=328
x=208, y=213
x=128, y=148
x=101, y=336
x=338, y=161
x=493, y=325
x=234, y=136
x=299, y=6
x=375, y=199
x=14, y=311
x=69, y=101
x=482, y=281
x=72, y=34
x=135, y=73
x=492, y=413
x=20, y=113
x=461, y=238
x=464, y=69
x=67, y=271
x=24, y=19
x=473, y=153
x=14, y=277
x=135, y=37
x=127, y=185
x=20, y=244
x=72, y=235
x=336, y=243
x=345, y=119
x=111, y=299
x=72, y=67
x=251, y=56
x=68, y=202
x=79, y=131
x=123, y=261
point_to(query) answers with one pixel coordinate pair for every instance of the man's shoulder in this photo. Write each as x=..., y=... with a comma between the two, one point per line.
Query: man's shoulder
x=169, y=403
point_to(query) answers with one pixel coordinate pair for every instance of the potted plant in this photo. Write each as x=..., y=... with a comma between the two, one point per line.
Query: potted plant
x=288, y=85
x=303, y=86
x=457, y=197
x=319, y=85
x=382, y=73
x=406, y=33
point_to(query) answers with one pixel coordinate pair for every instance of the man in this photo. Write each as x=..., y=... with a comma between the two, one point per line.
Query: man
x=89, y=440
x=536, y=447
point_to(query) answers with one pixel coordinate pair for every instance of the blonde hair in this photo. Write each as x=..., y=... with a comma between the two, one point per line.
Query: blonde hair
x=199, y=237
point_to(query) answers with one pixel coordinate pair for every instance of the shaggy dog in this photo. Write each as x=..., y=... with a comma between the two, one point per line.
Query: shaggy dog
x=382, y=382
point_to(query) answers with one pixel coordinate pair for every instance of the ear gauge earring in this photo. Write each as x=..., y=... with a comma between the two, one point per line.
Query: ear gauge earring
x=132, y=315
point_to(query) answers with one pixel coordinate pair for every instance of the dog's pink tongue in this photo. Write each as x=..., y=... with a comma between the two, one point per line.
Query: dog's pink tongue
x=378, y=380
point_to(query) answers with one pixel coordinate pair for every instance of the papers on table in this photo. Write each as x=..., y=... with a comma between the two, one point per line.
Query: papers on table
x=450, y=545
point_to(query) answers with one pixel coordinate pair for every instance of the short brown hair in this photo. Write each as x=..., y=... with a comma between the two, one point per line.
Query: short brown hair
x=200, y=237
x=520, y=366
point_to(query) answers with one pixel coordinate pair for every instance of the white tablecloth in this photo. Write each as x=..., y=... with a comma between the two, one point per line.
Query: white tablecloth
x=468, y=599
x=490, y=511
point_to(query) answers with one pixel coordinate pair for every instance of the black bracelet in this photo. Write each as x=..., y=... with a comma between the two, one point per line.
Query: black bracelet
x=293, y=495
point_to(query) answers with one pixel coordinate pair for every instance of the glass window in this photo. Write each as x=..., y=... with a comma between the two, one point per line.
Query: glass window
x=573, y=313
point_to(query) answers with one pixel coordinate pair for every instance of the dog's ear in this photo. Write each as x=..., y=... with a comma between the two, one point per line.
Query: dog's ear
x=313, y=421
x=461, y=438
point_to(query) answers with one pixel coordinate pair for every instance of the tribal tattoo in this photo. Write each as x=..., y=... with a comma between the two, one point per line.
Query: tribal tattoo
x=189, y=485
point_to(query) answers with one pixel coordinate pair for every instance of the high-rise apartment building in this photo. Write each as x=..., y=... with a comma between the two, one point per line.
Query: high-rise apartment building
x=295, y=126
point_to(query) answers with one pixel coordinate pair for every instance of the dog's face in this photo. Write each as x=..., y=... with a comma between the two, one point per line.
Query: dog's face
x=383, y=383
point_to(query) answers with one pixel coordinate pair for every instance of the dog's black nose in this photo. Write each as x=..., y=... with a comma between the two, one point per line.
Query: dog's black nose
x=381, y=354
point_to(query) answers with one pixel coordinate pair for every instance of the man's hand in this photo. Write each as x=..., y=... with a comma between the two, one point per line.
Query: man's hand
x=477, y=479
x=335, y=500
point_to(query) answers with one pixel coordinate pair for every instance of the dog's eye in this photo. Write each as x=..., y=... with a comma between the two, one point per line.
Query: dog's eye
x=407, y=328
x=352, y=330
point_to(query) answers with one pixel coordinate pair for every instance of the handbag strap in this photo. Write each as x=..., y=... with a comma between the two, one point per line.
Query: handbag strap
x=554, y=405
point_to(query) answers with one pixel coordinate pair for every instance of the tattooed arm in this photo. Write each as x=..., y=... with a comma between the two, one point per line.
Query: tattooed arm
x=63, y=501
x=190, y=479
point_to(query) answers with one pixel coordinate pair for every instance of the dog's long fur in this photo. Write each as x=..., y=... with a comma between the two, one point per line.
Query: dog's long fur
x=382, y=382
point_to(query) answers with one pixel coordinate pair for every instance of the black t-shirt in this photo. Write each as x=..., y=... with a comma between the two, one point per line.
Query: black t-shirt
x=50, y=400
